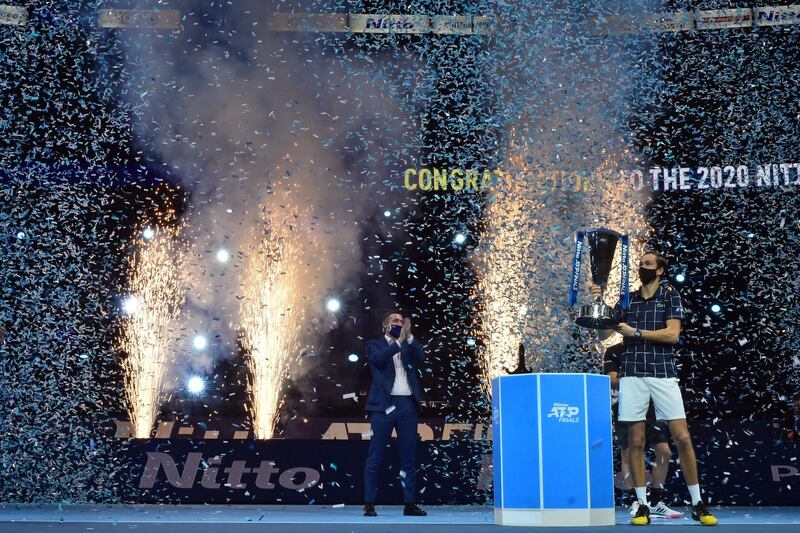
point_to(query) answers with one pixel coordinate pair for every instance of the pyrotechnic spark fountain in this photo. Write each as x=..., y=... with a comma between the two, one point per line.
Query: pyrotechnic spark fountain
x=503, y=283
x=525, y=251
x=272, y=314
x=148, y=330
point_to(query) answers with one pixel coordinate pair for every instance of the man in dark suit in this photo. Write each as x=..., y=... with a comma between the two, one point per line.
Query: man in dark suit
x=393, y=403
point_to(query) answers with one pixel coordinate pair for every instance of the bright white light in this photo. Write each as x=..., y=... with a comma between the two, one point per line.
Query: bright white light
x=470, y=342
x=387, y=213
x=715, y=308
x=680, y=278
x=332, y=305
x=131, y=305
x=353, y=358
x=200, y=342
x=460, y=238
x=20, y=235
x=148, y=233
x=223, y=255
x=196, y=384
x=229, y=210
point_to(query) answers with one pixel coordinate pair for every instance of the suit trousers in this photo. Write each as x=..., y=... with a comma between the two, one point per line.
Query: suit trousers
x=404, y=418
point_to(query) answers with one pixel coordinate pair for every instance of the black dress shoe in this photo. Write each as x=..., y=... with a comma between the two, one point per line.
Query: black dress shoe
x=369, y=510
x=412, y=509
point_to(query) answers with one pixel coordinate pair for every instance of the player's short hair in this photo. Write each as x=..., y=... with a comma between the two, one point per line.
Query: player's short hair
x=661, y=261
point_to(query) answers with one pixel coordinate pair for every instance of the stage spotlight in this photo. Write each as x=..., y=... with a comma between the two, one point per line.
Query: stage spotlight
x=130, y=305
x=332, y=305
x=199, y=342
x=148, y=233
x=716, y=308
x=223, y=255
x=353, y=358
x=195, y=385
x=21, y=235
x=387, y=213
x=680, y=278
x=460, y=238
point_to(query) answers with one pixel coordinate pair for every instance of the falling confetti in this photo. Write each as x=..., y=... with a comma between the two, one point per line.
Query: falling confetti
x=283, y=156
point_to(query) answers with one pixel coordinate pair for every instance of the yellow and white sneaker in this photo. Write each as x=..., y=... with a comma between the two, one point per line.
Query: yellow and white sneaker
x=642, y=516
x=701, y=514
x=634, y=508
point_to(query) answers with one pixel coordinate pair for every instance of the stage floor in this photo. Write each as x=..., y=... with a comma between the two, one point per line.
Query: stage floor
x=322, y=519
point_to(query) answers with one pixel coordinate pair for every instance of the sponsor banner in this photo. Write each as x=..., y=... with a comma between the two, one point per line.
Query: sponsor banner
x=451, y=24
x=777, y=15
x=741, y=464
x=664, y=22
x=297, y=472
x=429, y=429
x=13, y=15
x=724, y=18
x=482, y=25
x=335, y=22
x=363, y=23
x=138, y=18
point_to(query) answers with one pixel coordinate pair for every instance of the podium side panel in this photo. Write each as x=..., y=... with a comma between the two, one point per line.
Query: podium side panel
x=564, y=444
x=519, y=444
x=497, y=445
x=601, y=466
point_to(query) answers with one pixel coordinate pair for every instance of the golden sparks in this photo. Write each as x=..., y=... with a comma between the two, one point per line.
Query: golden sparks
x=153, y=307
x=272, y=313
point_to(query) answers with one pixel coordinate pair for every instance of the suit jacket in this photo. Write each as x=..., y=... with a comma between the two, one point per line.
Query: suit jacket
x=380, y=354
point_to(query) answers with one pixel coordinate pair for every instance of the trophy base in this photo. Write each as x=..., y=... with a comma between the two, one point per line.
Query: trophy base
x=596, y=316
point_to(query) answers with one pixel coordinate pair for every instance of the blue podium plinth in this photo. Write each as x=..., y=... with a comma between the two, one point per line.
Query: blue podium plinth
x=552, y=450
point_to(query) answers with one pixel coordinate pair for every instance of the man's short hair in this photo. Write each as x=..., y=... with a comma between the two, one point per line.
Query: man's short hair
x=387, y=315
x=661, y=261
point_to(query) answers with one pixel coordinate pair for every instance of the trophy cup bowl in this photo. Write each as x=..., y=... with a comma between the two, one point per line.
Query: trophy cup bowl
x=597, y=315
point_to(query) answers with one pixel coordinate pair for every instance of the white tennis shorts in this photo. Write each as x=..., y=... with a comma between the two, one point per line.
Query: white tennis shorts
x=635, y=394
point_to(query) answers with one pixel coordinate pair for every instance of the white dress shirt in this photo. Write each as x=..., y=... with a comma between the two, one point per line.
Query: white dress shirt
x=401, y=386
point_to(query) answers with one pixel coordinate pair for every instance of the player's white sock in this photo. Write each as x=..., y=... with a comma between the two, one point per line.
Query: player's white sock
x=694, y=492
x=641, y=494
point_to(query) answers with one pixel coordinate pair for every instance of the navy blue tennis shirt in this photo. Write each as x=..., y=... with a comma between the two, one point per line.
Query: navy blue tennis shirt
x=643, y=358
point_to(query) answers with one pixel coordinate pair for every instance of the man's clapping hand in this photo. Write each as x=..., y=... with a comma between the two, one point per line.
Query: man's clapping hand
x=405, y=332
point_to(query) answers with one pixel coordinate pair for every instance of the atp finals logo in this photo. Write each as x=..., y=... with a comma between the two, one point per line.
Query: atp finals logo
x=565, y=413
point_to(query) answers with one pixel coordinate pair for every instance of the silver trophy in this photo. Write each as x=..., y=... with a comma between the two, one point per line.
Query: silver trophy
x=602, y=244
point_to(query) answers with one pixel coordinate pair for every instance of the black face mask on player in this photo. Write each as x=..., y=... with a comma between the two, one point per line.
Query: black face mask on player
x=646, y=275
